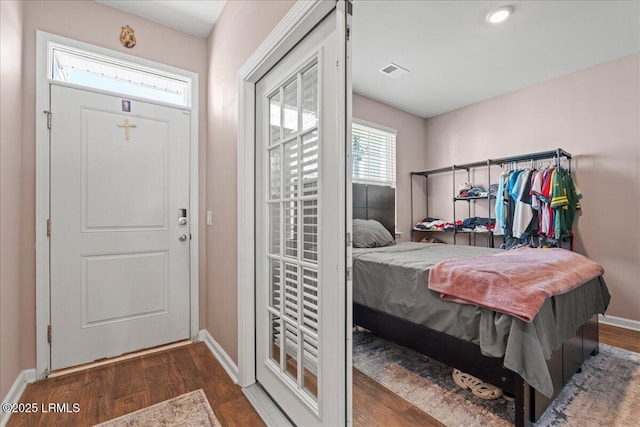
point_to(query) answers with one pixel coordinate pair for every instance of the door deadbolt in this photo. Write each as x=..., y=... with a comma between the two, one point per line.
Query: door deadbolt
x=182, y=216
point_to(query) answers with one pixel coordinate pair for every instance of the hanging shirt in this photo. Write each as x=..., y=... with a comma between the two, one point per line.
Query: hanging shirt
x=546, y=222
x=500, y=208
x=515, y=182
x=511, y=201
x=545, y=194
x=522, y=215
x=536, y=189
x=565, y=201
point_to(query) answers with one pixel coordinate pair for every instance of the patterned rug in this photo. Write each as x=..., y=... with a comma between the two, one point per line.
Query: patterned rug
x=190, y=409
x=606, y=393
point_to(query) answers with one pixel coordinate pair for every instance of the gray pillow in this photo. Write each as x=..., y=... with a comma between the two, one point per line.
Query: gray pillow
x=370, y=233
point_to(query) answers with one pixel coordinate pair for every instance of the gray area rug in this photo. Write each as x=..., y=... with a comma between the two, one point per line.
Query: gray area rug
x=606, y=393
x=189, y=409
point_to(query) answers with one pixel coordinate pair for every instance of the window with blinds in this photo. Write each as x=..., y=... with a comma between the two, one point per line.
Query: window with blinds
x=373, y=152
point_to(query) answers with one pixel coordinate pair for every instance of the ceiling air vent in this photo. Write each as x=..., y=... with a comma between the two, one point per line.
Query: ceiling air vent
x=393, y=70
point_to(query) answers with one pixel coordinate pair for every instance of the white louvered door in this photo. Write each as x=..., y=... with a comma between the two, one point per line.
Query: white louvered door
x=300, y=243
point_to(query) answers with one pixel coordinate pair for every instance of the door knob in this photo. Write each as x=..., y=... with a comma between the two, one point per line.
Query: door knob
x=182, y=237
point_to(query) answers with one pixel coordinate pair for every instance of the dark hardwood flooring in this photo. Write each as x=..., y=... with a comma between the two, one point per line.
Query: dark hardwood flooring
x=113, y=390
x=375, y=405
x=110, y=391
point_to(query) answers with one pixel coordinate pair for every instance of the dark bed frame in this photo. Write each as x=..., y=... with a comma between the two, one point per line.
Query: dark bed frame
x=377, y=202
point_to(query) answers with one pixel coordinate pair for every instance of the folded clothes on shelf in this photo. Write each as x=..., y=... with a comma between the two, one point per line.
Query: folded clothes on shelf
x=435, y=224
x=477, y=192
x=463, y=189
x=476, y=224
x=430, y=224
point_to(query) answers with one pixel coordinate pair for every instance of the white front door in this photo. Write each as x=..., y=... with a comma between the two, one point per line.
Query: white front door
x=300, y=232
x=119, y=250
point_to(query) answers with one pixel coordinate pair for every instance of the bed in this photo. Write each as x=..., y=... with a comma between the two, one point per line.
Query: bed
x=529, y=361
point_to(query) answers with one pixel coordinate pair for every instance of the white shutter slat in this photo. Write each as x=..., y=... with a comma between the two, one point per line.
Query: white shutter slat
x=374, y=155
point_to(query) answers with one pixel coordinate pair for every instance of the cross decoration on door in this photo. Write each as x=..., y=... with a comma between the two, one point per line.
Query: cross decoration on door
x=126, y=125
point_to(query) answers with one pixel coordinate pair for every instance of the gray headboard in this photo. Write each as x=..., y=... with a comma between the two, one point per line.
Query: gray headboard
x=375, y=202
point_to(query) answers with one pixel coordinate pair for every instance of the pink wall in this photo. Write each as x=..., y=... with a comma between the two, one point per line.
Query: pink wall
x=94, y=23
x=11, y=14
x=241, y=28
x=411, y=152
x=593, y=114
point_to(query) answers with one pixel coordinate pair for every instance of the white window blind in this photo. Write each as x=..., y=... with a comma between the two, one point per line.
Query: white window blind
x=373, y=152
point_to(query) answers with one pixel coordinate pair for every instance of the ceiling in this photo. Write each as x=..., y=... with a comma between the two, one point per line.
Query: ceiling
x=455, y=58
x=195, y=17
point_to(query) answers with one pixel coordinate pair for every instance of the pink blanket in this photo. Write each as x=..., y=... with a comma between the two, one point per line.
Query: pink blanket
x=515, y=282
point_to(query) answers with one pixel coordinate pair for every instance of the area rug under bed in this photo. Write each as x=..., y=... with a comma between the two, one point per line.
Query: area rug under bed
x=190, y=409
x=605, y=393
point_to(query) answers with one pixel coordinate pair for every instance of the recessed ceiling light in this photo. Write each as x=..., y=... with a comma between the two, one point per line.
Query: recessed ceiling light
x=499, y=15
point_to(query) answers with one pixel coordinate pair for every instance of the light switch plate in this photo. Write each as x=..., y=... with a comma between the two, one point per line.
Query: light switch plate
x=209, y=218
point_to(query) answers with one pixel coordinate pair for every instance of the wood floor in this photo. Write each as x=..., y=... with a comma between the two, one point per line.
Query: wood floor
x=110, y=391
x=375, y=405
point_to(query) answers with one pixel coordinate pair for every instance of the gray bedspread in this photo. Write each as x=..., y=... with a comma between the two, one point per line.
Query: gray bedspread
x=394, y=280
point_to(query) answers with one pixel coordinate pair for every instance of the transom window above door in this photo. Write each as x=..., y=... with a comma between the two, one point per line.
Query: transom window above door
x=78, y=67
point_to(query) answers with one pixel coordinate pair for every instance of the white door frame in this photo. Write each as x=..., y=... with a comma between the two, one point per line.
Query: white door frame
x=43, y=101
x=302, y=17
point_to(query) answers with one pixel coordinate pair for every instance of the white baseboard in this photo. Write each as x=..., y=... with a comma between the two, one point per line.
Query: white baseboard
x=261, y=402
x=25, y=377
x=220, y=354
x=620, y=322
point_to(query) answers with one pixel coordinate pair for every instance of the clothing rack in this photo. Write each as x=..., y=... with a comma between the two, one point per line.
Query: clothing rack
x=557, y=156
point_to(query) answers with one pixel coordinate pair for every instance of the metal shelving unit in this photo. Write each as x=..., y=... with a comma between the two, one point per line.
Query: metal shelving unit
x=468, y=167
x=556, y=155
